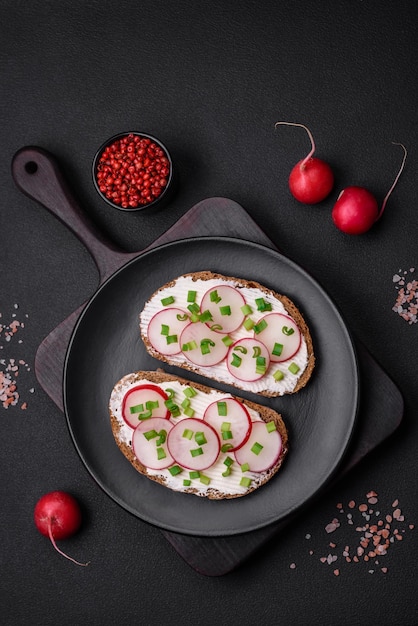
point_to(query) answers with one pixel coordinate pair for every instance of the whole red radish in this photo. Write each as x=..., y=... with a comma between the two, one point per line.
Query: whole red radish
x=57, y=515
x=311, y=180
x=356, y=209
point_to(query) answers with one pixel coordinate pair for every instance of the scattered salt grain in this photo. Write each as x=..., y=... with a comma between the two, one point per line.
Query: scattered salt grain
x=11, y=368
x=406, y=304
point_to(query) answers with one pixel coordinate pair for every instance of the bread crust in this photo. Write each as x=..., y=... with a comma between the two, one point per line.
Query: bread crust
x=266, y=414
x=289, y=306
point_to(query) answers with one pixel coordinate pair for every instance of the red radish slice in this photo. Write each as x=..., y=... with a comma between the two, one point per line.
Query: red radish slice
x=224, y=303
x=245, y=359
x=165, y=328
x=231, y=421
x=193, y=444
x=262, y=449
x=281, y=336
x=134, y=404
x=150, y=437
x=202, y=346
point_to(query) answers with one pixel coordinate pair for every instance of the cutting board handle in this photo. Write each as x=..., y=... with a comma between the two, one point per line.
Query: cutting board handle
x=37, y=174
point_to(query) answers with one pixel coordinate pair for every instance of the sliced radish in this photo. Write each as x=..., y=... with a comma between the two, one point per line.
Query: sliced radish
x=142, y=400
x=165, y=328
x=224, y=303
x=193, y=444
x=262, y=449
x=281, y=335
x=231, y=420
x=149, y=443
x=248, y=359
x=202, y=346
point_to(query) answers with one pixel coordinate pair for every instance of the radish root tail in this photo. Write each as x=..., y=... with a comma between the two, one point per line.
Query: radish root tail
x=60, y=551
x=396, y=179
x=308, y=156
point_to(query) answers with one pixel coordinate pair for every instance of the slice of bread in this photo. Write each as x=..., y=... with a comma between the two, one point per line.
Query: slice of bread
x=284, y=377
x=216, y=485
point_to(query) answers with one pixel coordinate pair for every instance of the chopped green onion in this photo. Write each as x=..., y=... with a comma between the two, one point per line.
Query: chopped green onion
x=167, y=301
x=260, y=367
x=206, y=316
x=214, y=297
x=138, y=408
x=225, y=310
x=241, y=349
x=278, y=375
x=226, y=447
x=245, y=482
x=150, y=434
x=190, y=345
x=226, y=472
x=248, y=323
x=205, y=345
x=152, y=404
x=236, y=360
x=227, y=340
x=228, y=461
x=271, y=426
x=222, y=408
x=187, y=433
x=161, y=454
x=186, y=403
x=170, y=392
x=262, y=305
x=262, y=324
x=182, y=318
x=191, y=296
x=172, y=339
x=246, y=309
x=256, y=351
x=227, y=434
x=175, y=469
x=194, y=474
x=195, y=317
x=164, y=329
x=186, y=482
x=245, y=467
x=287, y=331
x=225, y=426
x=216, y=327
x=200, y=438
x=172, y=407
x=277, y=349
x=256, y=448
x=162, y=436
x=190, y=392
x=194, y=308
x=293, y=368
x=189, y=411
x=196, y=452
x=204, y=479
x=144, y=416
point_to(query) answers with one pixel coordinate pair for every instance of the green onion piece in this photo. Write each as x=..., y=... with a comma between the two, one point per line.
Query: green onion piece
x=246, y=309
x=164, y=329
x=225, y=310
x=195, y=317
x=293, y=368
x=138, y=408
x=175, y=469
x=162, y=436
x=278, y=375
x=167, y=301
x=150, y=434
x=227, y=434
x=256, y=351
x=144, y=416
x=172, y=339
x=214, y=297
x=194, y=474
x=260, y=326
x=271, y=426
x=249, y=324
x=191, y=296
x=226, y=447
x=261, y=360
x=216, y=327
x=262, y=305
x=225, y=426
x=196, y=452
x=245, y=467
x=236, y=360
x=204, y=479
x=226, y=472
x=260, y=369
x=182, y=318
x=161, y=454
x=287, y=331
x=260, y=366
x=241, y=349
x=245, y=482
x=151, y=405
x=172, y=407
x=186, y=403
x=256, y=448
x=189, y=411
x=187, y=433
x=190, y=345
x=186, y=482
x=222, y=408
x=277, y=349
x=228, y=461
x=205, y=345
x=228, y=341
x=194, y=308
x=200, y=438
x=190, y=392
x=206, y=316
x=170, y=392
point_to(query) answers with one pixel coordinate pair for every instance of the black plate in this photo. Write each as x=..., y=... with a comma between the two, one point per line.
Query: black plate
x=106, y=345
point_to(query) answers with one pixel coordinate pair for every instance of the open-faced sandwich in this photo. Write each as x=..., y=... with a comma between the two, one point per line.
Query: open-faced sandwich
x=229, y=330
x=195, y=439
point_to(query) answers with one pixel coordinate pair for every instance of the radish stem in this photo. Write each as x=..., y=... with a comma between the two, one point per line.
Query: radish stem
x=60, y=551
x=396, y=179
x=306, y=159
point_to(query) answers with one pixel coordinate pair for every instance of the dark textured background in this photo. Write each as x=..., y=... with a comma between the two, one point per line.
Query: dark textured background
x=210, y=79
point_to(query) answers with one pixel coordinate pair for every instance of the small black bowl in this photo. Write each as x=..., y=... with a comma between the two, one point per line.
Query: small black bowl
x=134, y=188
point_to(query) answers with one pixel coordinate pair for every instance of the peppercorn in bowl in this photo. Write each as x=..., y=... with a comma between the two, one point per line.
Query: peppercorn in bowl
x=133, y=171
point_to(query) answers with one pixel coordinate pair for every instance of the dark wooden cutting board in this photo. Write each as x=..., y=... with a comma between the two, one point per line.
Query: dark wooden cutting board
x=38, y=175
